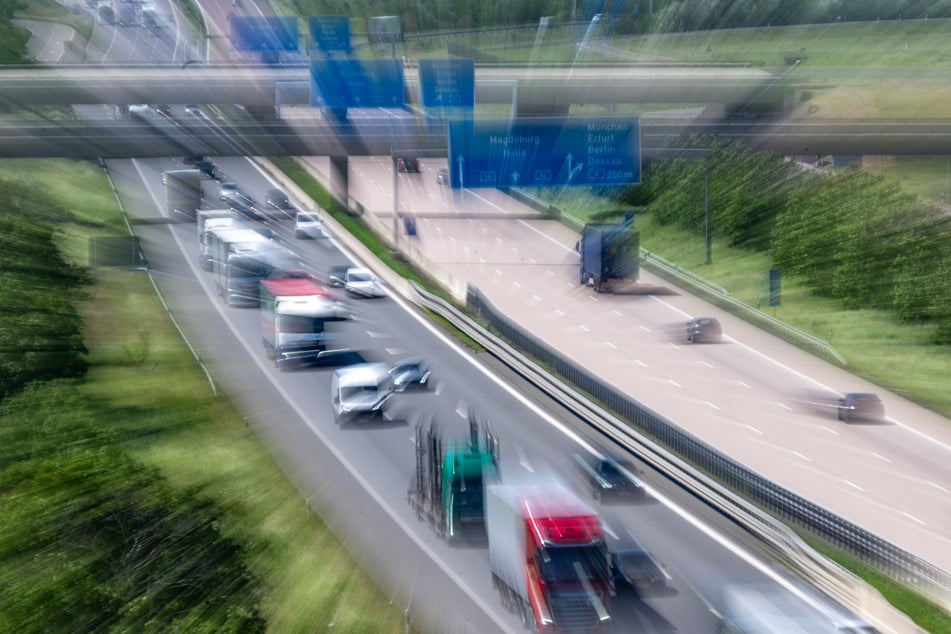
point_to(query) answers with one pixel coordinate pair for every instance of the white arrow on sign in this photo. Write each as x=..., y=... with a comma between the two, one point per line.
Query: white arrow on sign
x=573, y=170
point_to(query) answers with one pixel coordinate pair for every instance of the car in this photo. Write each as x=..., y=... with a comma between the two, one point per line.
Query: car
x=704, y=329
x=407, y=165
x=634, y=566
x=409, y=373
x=442, y=176
x=337, y=275
x=308, y=225
x=362, y=283
x=359, y=392
x=245, y=206
x=860, y=406
x=277, y=200
x=611, y=477
x=227, y=190
x=208, y=167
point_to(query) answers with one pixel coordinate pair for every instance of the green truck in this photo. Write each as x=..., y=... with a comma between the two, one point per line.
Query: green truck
x=451, y=475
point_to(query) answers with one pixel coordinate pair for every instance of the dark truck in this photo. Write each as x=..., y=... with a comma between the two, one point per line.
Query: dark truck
x=183, y=193
x=610, y=256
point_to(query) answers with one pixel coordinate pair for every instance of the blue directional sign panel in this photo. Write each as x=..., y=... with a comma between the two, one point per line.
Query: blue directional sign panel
x=545, y=152
x=330, y=33
x=447, y=83
x=263, y=34
x=353, y=83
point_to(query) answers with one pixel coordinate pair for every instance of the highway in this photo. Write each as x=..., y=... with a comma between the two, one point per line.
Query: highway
x=357, y=478
x=756, y=398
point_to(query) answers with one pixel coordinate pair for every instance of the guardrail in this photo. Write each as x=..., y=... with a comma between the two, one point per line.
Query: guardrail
x=686, y=459
x=683, y=458
x=708, y=290
x=720, y=297
x=775, y=537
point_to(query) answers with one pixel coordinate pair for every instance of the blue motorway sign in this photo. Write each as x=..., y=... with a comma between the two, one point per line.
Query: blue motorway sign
x=447, y=83
x=263, y=34
x=356, y=83
x=330, y=33
x=545, y=152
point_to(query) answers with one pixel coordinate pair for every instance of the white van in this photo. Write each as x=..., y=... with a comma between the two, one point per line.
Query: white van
x=359, y=391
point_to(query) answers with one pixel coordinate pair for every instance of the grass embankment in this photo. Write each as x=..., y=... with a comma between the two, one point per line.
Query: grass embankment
x=146, y=388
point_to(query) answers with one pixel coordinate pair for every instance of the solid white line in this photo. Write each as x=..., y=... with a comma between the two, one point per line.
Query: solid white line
x=742, y=384
x=852, y=484
x=751, y=428
x=830, y=430
x=881, y=457
x=912, y=517
x=796, y=453
x=355, y=473
x=938, y=486
x=674, y=383
x=712, y=405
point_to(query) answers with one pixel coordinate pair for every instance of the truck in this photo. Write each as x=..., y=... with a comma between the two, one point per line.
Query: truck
x=239, y=262
x=293, y=313
x=610, y=256
x=207, y=220
x=451, y=474
x=548, y=557
x=182, y=193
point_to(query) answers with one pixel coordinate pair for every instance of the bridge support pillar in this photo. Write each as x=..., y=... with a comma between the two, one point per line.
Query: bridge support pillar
x=339, y=182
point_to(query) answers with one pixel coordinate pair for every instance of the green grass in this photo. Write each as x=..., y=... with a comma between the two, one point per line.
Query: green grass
x=927, y=615
x=50, y=11
x=877, y=346
x=144, y=381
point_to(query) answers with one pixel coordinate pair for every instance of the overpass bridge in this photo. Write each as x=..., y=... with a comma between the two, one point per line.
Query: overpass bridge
x=262, y=89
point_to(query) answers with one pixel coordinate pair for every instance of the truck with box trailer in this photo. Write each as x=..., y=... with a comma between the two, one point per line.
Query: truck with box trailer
x=548, y=558
x=293, y=314
x=610, y=256
x=451, y=475
x=182, y=193
x=207, y=220
x=242, y=257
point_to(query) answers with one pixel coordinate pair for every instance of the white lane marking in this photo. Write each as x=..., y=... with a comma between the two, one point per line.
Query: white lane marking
x=550, y=272
x=707, y=363
x=674, y=383
x=607, y=529
x=912, y=517
x=855, y=486
x=611, y=345
x=784, y=406
x=712, y=405
x=395, y=351
x=808, y=378
x=267, y=371
x=799, y=455
x=619, y=313
x=645, y=328
x=584, y=328
x=751, y=428
x=523, y=459
x=938, y=486
x=378, y=335
x=742, y=384
x=881, y=457
x=462, y=409
x=560, y=313
x=830, y=430
x=640, y=363
x=721, y=539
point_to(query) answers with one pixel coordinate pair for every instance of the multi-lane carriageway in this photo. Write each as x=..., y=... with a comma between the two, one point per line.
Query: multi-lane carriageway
x=357, y=478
